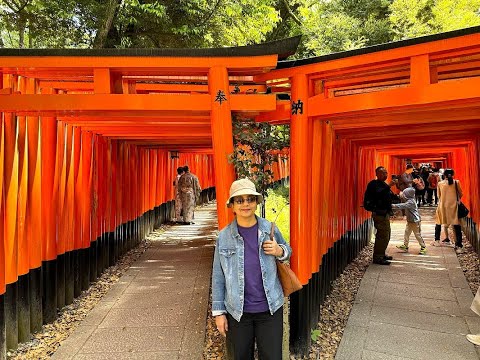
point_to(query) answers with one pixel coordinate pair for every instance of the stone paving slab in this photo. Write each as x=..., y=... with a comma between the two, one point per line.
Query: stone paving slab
x=416, y=308
x=157, y=355
x=419, y=320
x=158, y=308
x=373, y=355
x=133, y=339
x=417, y=343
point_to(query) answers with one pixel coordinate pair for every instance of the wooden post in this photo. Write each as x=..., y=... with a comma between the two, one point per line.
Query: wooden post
x=299, y=173
x=222, y=138
x=34, y=214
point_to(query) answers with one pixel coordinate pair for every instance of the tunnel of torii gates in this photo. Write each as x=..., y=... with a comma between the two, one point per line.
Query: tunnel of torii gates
x=90, y=141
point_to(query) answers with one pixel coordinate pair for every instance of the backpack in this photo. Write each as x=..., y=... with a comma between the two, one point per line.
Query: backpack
x=433, y=181
x=368, y=203
x=418, y=184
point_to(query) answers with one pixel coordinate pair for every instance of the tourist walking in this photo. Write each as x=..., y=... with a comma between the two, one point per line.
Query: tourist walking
x=448, y=191
x=178, y=198
x=247, y=297
x=414, y=220
x=432, y=181
x=190, y=192
x=378, y=199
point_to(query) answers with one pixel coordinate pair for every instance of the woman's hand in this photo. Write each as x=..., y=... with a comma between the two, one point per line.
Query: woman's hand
x=222, y=324
x=270, y=247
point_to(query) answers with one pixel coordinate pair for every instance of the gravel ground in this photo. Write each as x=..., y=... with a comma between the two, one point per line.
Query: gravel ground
x=44, y=343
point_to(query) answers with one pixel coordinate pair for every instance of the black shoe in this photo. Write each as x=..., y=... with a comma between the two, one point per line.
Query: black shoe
x=446, y=241
x=381, y=261
x=388, y=257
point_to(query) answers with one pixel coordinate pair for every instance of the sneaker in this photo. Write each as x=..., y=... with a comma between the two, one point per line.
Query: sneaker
x=423, y=251
x=381, y=261
x=402, y=247
x=459, y=250
x=446, y=241
x=435, y=243
x=474, y=339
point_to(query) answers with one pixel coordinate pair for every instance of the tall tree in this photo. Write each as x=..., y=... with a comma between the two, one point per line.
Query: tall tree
x=412, y=18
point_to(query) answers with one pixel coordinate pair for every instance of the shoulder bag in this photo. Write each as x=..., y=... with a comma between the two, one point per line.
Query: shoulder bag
x=462, y=210
x=288, y=279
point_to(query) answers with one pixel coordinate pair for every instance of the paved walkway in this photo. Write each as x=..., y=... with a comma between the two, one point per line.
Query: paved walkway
x=158, y=308
x=416, y=308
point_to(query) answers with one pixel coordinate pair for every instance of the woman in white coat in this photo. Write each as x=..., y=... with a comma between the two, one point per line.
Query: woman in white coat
x=449, y=192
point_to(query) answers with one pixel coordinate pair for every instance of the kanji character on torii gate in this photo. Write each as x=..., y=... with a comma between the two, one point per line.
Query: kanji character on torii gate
x=77, y=122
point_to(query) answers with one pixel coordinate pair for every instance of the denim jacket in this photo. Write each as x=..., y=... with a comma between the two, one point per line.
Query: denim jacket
x=228, y=279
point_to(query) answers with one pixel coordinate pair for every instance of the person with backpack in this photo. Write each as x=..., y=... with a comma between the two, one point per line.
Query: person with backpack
x=432, y=181
x=378, y=199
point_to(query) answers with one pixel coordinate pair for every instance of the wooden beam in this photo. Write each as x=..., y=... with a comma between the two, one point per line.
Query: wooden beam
x=85, y=103
x=262, y=102
x=280, y=114
x=412, y=96
x=104, y=102
x=441, y=47
x=125, y=64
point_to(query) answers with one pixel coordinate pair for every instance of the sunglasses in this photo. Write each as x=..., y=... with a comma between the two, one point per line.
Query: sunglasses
x=241, y=200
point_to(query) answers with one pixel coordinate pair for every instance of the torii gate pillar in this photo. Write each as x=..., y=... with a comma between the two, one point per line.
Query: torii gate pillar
x=298, y=174
x=222, y=139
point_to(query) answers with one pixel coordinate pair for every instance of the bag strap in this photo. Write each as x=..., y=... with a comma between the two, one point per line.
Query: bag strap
x=272, y=231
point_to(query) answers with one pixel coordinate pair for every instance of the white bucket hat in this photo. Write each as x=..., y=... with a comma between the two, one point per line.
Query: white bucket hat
x=243, y=187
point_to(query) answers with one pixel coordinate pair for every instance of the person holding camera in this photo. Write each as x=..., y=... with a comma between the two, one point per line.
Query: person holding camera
x=406, y=179
x=378, y=199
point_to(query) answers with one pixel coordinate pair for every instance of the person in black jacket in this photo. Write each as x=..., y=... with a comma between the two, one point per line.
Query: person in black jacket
x=378, y=199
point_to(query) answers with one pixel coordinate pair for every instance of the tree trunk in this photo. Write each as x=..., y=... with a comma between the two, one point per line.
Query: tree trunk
x=106, y=25
x=21, y=32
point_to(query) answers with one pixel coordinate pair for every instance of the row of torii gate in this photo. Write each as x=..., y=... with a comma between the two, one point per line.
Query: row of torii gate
x=89, y=143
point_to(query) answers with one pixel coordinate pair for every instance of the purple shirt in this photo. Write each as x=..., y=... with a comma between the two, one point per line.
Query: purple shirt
x=255, y=299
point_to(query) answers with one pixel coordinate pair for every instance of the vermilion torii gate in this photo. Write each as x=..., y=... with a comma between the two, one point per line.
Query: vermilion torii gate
x=87, y=137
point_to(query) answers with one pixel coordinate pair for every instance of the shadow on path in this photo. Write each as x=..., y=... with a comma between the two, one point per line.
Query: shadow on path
x=158, y=308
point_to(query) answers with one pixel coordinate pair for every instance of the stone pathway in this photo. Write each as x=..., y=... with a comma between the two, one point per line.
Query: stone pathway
x=416, y=308
x=158, y=308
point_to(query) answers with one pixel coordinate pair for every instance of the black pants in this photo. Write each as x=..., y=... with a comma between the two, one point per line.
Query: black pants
x=458, y=234
x=430, y=194
x=265, y=329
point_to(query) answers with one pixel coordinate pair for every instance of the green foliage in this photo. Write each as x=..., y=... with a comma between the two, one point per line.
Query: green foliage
x=410, y=18
x=278, y=209
x=339, y=25
x=44, y=23
x=254, y=150
x=327, y=25
x=314, y=334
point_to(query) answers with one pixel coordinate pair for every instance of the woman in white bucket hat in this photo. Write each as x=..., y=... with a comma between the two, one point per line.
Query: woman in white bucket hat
x=247, y=297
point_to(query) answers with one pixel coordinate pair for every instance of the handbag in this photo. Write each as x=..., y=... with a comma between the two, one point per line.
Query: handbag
x=288, y=279
x=462, y=210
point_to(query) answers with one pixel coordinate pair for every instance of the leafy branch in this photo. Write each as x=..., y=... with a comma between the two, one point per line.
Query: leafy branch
x=256, y=147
